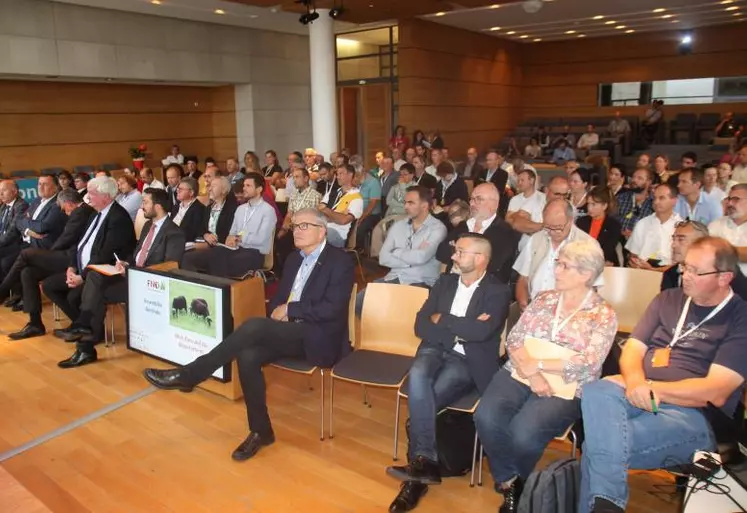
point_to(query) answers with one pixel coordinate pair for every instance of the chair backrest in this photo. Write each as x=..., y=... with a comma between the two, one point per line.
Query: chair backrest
x=629, y=292
x=352, y=318
x=269, y=262
x=85, y=169
x=388, y=318
x=110, y=166
x=514, y=313
x=140, y=221
x=352, y=236
x=22, y=173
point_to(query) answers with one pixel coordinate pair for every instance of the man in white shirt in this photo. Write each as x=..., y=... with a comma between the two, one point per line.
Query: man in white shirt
x=174, y=158
x=344, y=209
x=436, y=158
x=650, y=244
x=739, y=173
x=733, y=226
x=536, y=262
x=525, y=209
x=589, y=140
x=146, y=175
x=397, y=159
x=710, y=185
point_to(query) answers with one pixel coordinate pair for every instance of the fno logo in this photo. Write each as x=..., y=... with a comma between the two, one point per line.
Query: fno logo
x=157, y=285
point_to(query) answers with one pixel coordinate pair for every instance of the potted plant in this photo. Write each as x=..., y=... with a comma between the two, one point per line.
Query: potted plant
x=137, y=153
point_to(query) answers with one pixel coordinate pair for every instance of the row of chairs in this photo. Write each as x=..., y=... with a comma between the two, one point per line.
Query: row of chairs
x=690, y=128
x=30, y=173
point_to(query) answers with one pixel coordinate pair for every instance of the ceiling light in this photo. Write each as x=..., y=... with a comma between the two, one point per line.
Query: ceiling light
x=441, y=13
x=581, y=35
x=737, y=14
x=219, y=11
x=724, y=2
x=686, y=39
x=537, y=39
x=495, y=6
x=610, y=22
x=666, y=16
x=732, y=8
x=570, y=31
x=308, y=17
x=155, y=2
x=495, y=28
x=523, y=36
x=660, y=9
x=336, y=12
x=598, y=17
x=511, y=33
x=620, y=27
x=629, y=31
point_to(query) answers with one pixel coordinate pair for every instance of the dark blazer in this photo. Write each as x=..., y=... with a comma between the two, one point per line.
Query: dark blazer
x=167, y=246
x=429, y=181
x=477, y=170
x=321, y=188
x=609, y=236
x=172, y=197
x=269, y=171
x=9, y=233
x=50, y=222
x=457, y=190
x=323, y=307
x=481, y=338
x=499, y=179
x=116, y=235
x=504, y=242
x=225, y=219
x=193, y=221
x=74, y=228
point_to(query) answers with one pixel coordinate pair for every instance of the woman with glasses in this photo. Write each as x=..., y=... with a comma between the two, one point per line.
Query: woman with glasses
x=601, y=223
x=556, y=348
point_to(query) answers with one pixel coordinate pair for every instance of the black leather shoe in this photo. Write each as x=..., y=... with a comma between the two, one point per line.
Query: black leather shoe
x=18, y=307
x=410, y=493
x=251, y=446
x=28, y=331
x=511, y=496
x=167, y=379
x=605, y=506
x=12, y=300
x=75, y=333
x=78, y=359
x=60, y=332
x=421, y=470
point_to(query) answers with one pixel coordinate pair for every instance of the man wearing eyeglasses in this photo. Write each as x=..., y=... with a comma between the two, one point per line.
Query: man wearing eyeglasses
x=188, y=213
x=682, y=364
x=308, y=320
x=733, y=226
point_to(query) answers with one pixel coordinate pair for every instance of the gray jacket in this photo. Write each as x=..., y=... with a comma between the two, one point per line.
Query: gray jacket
x=411, y=256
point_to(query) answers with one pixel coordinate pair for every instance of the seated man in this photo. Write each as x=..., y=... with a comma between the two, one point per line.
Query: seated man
x=344, y=209
x=306, y=322
x=188, y=213
x=525, y=210
x=637, y=202
x=12, y=208
x=460, y=325
x=149, y=180
x=484, y=220
x=160, y=241
x=410, y=246
x=589, y=140
x=327, y=184
x=248, y=240
x=536, y=262
x=693, y=203
x=684, y=360
x=650, y=244
x=562, y=153
x=517, y=419
x=733, y=226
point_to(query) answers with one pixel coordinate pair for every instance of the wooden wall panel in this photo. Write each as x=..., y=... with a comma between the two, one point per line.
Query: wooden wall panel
x=49, y=124
x=376, y=119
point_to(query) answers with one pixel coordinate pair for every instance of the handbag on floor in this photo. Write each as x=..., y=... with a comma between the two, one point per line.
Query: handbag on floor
x=555, y=489
x=455, y=438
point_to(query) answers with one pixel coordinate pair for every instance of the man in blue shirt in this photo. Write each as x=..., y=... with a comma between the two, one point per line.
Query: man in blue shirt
x=370, y=189
x=693, y=203
x=563, y=153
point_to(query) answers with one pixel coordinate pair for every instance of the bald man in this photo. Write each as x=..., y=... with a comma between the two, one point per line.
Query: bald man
x=471, y=167
x=484, y=204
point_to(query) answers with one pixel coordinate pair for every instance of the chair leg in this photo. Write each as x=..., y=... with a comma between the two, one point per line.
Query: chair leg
x=365, y=394
x=321, y=408
x=479, y=471
x=474, y=459
x=106, y=328
x=56, y=312
x=360, y=266
x=574, y=443
x=112, y=326
x=396, y=428
x=331, y=404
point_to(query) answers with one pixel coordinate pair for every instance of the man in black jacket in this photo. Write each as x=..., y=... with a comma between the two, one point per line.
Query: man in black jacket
x=160, y=241
x=460, y=325
x=484, y=220
x=309, y=320
x=189, y=212
x=12, y=208
x=107, y=233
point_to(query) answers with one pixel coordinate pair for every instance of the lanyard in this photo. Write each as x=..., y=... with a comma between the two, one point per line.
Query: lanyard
x=247, y=219
x=337, y=198
x=678, y=335
x=556, y=328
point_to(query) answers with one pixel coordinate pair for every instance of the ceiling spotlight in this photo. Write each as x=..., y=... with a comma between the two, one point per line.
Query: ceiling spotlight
x=511, y=33
x=495, y=6
x=686, y=39
x=598, y=17
x=309, y=17
x=620, y=27
x=155, y=2
x=532, y=6
x=660, y=9
x=523, y=36
x=537, y=39
x=724, y=2
x=732, y=8
x=737, y=14
x=336, y=12
x=686, y=44
x=219, y=11
x=666, y=16
x=570, y=31
x=493, y=29
x=610, y=22
x=629, y=31
x=581, y=35
x=441, y=13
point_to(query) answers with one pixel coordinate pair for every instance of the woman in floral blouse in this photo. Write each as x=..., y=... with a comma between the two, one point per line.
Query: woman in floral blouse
x=516, y=421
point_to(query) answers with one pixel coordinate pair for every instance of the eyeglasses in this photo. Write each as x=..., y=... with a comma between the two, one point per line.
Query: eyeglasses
x=562, y=265
x=477, y=199
x=303, y=226
x=461, y=252
x=733, y=199
x=688, y=269
x=555, y=229
x=565, y=195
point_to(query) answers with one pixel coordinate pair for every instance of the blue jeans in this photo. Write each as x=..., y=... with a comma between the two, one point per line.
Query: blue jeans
x=438, y=377
x=515, y=425
x=620, y=436
x=360, y=296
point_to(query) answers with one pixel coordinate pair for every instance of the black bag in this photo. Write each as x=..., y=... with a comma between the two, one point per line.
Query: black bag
x=555, y=489
x=455, y=439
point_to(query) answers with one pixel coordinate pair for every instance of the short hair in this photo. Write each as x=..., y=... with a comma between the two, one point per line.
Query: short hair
x=557, y=178
x=424, y=193
x=586, y=255
x=65, y=174
x=68, y=195
x=649, y=173
x=700, y=228
x=304, y=171
x=55, y=181
x=319, y=217
x=325, y=165
x=568, y=208
x=696, y=174
x=298, y=155
x=222, y=183
x=408, y=168
x=258, y=179
x=673, y=192
x=159, y=197
x=690, y=155
x=445, y=168
x=345, y=158
x=583, y=174
x=83, y=176
x=529, y=172
x=498, y=151
x=209, y=160
x=104, y=185
x=176, y=166
x=191, y=158
x=725, y=258
x=12, y=183
x=148, y=171
x=481, y=240
x=602, y=194
x=348, y=168
x=131, y=181
x=356, y=161
x=459, y=208
x=739, y=187
x=619, y=166
x=190, y=182
x=106, y=172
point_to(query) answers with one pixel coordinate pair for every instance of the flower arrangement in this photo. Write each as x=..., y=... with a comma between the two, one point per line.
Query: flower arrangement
x=138, y=152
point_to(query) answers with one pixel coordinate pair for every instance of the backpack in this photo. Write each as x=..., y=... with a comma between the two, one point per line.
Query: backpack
x=556, y=489
x=455, y=439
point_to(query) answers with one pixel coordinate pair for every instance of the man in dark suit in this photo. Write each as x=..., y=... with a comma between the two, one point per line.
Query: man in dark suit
x=470, y=168
x=46, y=262
x=189, y=212
x=107, y=233
x=504, y=240
x=173, y=174
x=43, y=222
x=496, y=172
x=160, y=241
x=451, y=186
x=309, y=320
x=12, y=208
x=460, y=325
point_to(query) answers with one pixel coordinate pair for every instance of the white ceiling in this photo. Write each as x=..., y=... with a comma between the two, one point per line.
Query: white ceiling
x=557, y=17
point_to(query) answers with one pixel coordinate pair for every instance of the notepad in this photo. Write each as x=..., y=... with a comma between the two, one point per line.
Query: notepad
x=105, y=269
x=541, y=349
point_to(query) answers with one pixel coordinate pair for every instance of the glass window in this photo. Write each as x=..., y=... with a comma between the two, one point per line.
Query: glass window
x=674, y=92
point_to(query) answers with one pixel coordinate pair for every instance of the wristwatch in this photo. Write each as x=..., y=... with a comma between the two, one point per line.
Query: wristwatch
x=540, y=365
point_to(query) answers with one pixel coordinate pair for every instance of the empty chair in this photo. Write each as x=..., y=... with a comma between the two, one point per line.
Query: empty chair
x=52, y=170
x=23, y=173
x=705, y=129
x=84, y=169
x=684, y=123
x=629, y=292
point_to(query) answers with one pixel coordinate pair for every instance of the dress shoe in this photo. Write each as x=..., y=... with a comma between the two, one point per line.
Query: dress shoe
x=421, y=470
x=511, y=496
x=167, y=379
x=12, y=300
x=28, y=331
x=18, y=307
x=251, y=446
x=604, y=506
x=60, y=332
x=78, y=359
x=410, y=493
x=75, y=333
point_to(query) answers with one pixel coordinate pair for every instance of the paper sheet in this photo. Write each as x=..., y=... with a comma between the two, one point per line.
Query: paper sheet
x=541, y=349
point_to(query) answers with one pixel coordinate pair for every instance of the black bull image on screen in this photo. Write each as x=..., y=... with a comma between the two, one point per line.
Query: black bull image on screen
x=198, y=308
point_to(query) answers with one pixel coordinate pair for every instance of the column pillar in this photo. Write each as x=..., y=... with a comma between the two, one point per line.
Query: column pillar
x=323, y=83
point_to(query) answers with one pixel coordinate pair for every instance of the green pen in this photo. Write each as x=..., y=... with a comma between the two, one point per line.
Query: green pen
x=654, y=408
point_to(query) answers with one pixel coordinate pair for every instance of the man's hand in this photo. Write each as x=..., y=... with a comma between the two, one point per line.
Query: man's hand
x=280, y=313
x=232, y=241
x=640, y=396
x=435, y=318
x=121, y=267
x=540, y=386
x=282, y=233
x=210, y=238
x=34, y=235
x=74, y=281
x=69, y=273
x=483, y=317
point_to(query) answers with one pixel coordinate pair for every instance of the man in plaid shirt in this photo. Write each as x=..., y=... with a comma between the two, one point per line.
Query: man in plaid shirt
x=635, y=203
x=303, y=197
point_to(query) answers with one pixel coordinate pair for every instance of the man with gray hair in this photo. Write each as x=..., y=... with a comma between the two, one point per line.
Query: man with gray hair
x=107, y=233
x=536, y=262
x=189, y=213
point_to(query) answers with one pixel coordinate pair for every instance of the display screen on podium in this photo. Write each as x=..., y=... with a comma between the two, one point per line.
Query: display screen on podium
x=178, y=316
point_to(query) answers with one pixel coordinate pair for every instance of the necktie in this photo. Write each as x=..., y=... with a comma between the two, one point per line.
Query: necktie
x=4, y=219
x=146, y=246
x=85, y=241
